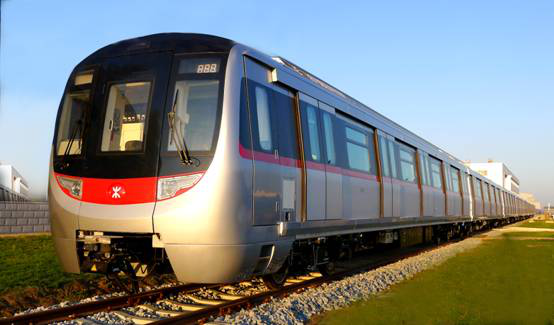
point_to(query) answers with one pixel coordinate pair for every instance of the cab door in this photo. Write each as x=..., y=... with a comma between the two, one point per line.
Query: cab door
x=123, y=143
x=278, y=174
x=265, y=145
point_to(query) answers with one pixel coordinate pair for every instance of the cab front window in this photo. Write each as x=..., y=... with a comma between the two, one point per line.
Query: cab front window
x=126, y=114
x=76, y=104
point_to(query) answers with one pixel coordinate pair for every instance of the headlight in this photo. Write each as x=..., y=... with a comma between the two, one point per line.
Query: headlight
x=171, y=186
x=72, y=185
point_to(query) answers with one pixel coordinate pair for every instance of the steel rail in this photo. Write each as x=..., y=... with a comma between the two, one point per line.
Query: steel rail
x=112, y=303
x=204, y=315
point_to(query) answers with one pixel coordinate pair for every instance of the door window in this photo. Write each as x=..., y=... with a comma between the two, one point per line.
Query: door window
x=313, y=135
x=384, y=156
x=264, y=118
x=393, y=160
x=126, y=113
x=329, y=139
x=436, y=173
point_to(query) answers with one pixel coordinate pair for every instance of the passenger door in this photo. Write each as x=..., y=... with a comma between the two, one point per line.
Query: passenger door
x=387, y=174
x=333, y=176
x=291, y=180
x=313, y=153
x=396, y=187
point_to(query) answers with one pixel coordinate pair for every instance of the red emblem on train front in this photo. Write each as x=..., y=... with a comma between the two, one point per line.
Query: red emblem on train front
x=116, y=191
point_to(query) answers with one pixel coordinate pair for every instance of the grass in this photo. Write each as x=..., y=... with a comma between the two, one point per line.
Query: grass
x=537, y=224
x=538, y=234
x=30, y=261
x=502, y=281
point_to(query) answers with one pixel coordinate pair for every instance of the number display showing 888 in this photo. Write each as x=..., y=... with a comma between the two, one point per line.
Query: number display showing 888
x=207, y=68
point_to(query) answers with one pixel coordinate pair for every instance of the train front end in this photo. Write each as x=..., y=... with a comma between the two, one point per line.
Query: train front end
x=145, y=171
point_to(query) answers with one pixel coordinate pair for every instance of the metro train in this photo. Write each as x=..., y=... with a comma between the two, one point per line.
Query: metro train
x=198, y=155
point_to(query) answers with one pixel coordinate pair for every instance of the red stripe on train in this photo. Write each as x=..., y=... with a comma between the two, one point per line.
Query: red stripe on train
x=291, y=162
x=114, y=191
x=120, y=191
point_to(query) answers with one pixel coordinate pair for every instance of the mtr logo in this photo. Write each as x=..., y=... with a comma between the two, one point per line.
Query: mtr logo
x=116, y=191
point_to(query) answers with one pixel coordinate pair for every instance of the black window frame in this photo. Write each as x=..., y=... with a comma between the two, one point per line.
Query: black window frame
x=72, y=88
x=437, y=162
x=175, y=76
x=405, y=147
x=306, y=137
x=108, y=87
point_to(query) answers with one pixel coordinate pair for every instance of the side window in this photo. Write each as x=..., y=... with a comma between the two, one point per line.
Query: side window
x=329, y=139
x=356, y=149
x=477, y=186
x=486, y=192
x=393, y=160
x=384, y=152
x=407, y=163
x=455, y=179
x=313, y=134
x=263, y=118
x=436, y=173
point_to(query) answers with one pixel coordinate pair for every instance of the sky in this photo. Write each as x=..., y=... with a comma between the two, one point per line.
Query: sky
x=475, y=78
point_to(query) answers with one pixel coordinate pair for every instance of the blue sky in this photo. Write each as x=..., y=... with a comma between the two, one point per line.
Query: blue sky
x=474, y=77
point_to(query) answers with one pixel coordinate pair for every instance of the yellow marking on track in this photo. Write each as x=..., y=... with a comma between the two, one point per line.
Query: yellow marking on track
x=202, y=301
x=133, y=318
x=162, y=312
x=226, y=296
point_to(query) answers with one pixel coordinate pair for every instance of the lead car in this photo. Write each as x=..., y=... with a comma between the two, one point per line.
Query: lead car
x=198, y=155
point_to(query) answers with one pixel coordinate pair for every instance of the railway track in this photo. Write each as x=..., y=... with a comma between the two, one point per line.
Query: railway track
x=195, y=303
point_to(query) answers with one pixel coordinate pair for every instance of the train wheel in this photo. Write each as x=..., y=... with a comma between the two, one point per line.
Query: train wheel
x=327, y=269
x=276, y=280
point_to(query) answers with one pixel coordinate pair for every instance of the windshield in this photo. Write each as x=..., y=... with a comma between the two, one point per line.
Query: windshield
x=126, y=112
x=70, y=129
x=196, y=112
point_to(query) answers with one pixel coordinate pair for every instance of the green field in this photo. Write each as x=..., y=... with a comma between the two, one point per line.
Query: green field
x=536, y=224
x=30, y=261
x=503, y=281
x=538, y=234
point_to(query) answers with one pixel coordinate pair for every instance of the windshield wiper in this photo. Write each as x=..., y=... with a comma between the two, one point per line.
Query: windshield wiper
x=176, y=135
x=77, y=130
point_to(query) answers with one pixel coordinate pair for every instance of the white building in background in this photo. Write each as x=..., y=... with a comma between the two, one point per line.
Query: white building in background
x=12, y=180
x=498, y=173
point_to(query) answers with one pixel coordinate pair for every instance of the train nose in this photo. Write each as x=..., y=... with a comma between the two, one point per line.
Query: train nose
x=118, y=205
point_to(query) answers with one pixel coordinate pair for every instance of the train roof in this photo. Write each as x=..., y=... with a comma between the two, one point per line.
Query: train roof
x=194, y=42
x=176, y=42
x=397, y=130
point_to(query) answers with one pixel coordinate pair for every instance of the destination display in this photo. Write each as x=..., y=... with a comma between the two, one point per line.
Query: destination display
x=201, y=65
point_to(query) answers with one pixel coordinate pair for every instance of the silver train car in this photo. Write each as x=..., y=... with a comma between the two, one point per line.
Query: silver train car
x=202, y=154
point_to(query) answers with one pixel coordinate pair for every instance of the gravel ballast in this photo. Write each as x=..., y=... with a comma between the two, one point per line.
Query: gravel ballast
x=299, y=307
